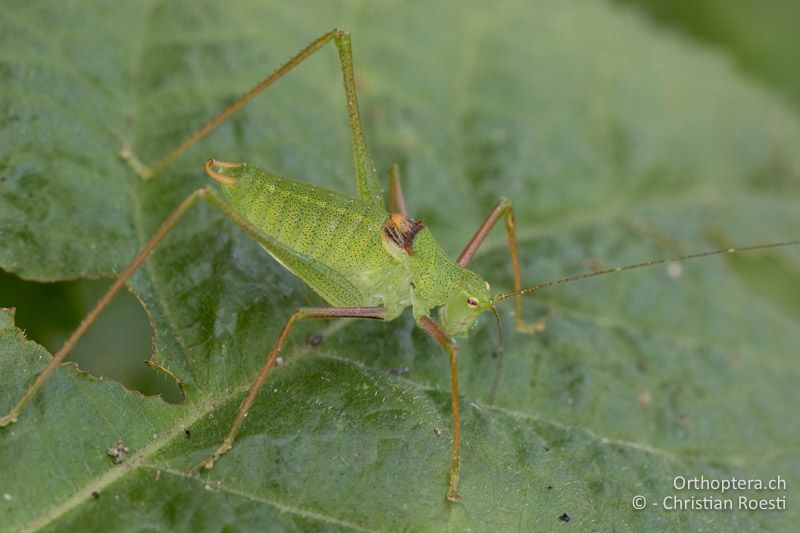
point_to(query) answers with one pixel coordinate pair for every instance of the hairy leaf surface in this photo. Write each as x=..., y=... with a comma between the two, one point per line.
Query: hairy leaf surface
x=616, y=143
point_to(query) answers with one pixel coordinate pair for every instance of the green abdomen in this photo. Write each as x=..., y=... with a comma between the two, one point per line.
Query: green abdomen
x=324, y=226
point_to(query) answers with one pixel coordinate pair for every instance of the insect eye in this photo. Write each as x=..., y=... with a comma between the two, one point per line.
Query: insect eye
x=472, y=302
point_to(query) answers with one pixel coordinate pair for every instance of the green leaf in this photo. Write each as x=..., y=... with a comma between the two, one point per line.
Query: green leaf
x=616, y=143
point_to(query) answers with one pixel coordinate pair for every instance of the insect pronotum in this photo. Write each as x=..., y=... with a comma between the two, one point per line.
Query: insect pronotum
x=366, y=260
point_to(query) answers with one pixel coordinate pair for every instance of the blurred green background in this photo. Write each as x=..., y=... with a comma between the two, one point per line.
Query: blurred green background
x=759, y=36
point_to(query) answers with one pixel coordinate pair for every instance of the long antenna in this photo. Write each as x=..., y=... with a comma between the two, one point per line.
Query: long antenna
x=578, y=277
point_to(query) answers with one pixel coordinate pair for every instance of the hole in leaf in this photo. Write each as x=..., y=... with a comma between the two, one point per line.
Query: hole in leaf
x=114, y=347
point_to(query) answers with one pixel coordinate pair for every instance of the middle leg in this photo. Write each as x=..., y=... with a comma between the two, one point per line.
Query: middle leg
x=301, y=314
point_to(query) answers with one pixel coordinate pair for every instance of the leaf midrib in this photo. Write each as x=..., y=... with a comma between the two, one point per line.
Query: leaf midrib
x=199, y=411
